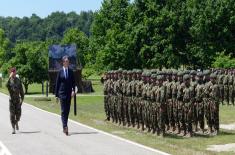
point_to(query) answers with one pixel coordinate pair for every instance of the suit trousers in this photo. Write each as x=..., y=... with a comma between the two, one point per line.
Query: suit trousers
x=65, y=109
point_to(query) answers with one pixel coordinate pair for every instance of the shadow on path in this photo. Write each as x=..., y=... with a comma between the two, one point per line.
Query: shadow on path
x=81, y=133
x=29, y=132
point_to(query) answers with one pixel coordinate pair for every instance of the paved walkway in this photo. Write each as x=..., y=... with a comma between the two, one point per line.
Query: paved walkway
x=41, y=134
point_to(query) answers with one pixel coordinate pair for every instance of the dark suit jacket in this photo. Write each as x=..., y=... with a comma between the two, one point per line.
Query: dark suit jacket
x=64, y=86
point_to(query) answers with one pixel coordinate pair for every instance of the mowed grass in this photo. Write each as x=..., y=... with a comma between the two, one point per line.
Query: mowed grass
x=91, y=112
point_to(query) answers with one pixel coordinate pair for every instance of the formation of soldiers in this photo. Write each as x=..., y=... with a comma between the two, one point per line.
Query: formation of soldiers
x=170, y=101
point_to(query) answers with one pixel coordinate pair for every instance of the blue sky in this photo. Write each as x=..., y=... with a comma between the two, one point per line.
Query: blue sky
x=43, y=8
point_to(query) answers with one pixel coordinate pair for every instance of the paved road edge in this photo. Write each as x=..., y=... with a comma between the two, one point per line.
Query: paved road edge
x=100, y=131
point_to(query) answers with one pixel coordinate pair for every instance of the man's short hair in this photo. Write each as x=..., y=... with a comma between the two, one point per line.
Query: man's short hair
x=64, y=58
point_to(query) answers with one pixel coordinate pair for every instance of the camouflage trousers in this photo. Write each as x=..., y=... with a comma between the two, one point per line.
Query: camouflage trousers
x=226, y=93
x=15, y=111
x=107, y=106
x=188, y=113
x=231, y=94
x=212, y=113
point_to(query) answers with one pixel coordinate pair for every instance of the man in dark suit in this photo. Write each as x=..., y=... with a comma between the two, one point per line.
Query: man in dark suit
x=65, y=87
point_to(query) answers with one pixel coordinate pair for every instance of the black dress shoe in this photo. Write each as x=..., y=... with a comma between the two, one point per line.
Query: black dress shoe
x=17, y=126
x=66, y=131
x=13, y=131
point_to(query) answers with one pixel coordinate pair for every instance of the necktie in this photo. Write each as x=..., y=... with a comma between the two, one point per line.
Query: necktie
x=66, y=72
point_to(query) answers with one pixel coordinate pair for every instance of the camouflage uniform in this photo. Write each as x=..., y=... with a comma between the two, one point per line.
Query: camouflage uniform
x=16, y=92
x=169, y=102
x=221, y=87
x=193, y=85
x=180, y=103
x=174, y=90
x=231, y=89
x=145, y=101
x=107, y=96
x=139, y=89
x=128, y=100
x=188, y=106
x=226, y=88
x=161, y=103
x=154, y=107
x=214, y=95
x=199, y=101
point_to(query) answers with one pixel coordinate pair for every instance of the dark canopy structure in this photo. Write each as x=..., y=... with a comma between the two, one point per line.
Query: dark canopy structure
x=56, y=53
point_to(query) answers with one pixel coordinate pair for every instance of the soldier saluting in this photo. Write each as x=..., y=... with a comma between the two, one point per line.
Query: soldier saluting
x=16, y=92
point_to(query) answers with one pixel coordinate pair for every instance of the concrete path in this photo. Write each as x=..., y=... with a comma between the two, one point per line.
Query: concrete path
x=41, y=134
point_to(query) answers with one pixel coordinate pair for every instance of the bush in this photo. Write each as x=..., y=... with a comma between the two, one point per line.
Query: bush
x=223, y=61
x=87, y=72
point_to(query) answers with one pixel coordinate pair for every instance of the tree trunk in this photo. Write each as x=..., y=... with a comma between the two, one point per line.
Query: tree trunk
x=26, y=86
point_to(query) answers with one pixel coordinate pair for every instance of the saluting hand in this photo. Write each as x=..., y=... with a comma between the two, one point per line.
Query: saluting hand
x=11, y=75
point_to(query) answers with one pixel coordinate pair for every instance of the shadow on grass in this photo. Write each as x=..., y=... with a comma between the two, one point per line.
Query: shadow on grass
x=175, y=136
x=226, y=133
x=34, y=93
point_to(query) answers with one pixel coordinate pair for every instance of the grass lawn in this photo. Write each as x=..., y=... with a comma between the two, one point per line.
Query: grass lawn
x=91, y=112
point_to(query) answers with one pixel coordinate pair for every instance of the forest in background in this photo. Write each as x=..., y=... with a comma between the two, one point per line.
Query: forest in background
x=143, y=34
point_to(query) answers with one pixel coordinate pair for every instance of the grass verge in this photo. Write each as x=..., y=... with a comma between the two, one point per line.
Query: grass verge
x=91, y=113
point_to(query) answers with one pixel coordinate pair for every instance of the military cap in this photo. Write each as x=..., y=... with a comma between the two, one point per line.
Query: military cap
x=186, y=77
x=129, y=72
x=148, y=74
x=170, y=72
x=154, y=71
x=193, y=72
x=186, y=72
x=124, y=71
x=174, y=72
x=199, y=74
x=138, y=71
x=159, y=77
x=206, y=72
x=213, y=75
x=154, y=76
x=180, y=73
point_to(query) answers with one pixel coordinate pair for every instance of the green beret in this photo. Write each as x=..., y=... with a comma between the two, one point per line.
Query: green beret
x=186, y=77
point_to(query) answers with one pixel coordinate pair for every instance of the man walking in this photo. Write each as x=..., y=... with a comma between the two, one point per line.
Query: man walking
x=16, y=93
x=65, y=87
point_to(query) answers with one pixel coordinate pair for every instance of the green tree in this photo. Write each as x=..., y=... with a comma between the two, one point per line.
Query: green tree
x=108, y=41
x=4, y=48
x=31, y=62
x=77, y=37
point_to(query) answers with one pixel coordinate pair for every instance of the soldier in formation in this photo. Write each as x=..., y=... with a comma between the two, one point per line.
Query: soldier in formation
x=168, y=101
